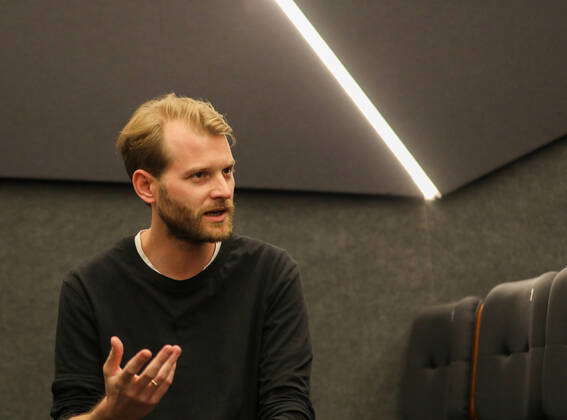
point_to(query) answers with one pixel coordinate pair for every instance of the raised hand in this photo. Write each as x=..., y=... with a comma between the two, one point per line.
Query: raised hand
x=130, y=392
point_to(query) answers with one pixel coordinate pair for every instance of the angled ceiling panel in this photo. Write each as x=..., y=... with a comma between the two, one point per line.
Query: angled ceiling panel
x=467, y=87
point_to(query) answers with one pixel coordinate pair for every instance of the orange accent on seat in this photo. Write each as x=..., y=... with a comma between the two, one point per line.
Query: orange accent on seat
x=474, y=363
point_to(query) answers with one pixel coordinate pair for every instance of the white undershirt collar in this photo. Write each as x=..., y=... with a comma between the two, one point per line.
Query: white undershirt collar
x=138, y=242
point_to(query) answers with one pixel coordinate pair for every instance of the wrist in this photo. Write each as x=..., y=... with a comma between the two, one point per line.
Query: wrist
x=101, y=411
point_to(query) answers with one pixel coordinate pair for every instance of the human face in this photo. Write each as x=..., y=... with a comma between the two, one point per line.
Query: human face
x=195, y=200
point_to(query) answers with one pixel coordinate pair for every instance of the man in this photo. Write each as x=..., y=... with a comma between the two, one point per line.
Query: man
x=201, y=323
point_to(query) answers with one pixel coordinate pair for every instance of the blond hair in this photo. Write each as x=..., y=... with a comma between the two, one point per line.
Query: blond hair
x=141, y=140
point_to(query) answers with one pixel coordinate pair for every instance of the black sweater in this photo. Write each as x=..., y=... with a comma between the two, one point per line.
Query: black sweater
x=241, y=323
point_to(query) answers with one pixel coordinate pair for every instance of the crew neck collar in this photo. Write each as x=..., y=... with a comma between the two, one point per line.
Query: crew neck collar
x=144, y=257
x=201, y=280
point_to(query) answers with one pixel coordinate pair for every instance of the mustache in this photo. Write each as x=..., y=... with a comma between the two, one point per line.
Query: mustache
x=227, y=205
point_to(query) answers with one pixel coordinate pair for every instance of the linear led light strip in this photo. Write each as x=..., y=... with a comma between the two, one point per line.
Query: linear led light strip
x=360, y=99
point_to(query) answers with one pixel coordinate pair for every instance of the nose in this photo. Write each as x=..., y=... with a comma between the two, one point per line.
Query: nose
x=222, y=188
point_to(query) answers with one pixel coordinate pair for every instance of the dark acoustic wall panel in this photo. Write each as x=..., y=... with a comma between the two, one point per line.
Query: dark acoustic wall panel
x=468, y=86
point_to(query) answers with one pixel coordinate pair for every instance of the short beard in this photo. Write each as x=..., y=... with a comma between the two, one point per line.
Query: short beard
x=186, y=225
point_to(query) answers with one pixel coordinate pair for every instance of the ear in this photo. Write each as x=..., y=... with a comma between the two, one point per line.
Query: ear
x=145, y=185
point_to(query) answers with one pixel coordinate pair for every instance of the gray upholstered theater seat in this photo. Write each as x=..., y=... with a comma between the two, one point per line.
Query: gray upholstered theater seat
x=511, y=349
x=436, y=381
x=555, y=359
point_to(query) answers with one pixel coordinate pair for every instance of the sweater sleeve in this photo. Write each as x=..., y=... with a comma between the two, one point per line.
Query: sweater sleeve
x=285, y=363
x=78, y=384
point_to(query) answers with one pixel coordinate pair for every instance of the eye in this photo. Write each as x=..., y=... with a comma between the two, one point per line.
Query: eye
x=228, y=171
x=198, y=175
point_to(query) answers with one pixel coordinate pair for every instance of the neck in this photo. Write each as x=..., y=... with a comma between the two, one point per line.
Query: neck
x=174, y=258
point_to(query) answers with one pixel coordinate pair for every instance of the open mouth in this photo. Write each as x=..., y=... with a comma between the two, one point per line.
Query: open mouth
x=218, y=212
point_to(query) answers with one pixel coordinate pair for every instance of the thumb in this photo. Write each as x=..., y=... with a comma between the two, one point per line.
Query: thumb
x=112, y=364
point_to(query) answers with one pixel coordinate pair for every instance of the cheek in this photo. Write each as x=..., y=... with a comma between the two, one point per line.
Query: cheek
x=197, y=198
x=187, y=198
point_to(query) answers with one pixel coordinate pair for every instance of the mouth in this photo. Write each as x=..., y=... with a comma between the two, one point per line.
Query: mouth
x=216, y=212
x=216, y=215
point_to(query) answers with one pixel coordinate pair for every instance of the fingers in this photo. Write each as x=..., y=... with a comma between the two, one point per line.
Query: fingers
x=112, y=364
x=164, y=377
x=134, y=365
x=157, y=375
x=163, y=388
x=151, y=371
x=172, y=372
x=168, y=368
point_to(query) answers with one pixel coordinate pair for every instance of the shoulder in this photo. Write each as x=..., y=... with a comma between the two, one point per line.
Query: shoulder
x=258, y=250
x=259, y=260
x=104, y=265
x=273, y=268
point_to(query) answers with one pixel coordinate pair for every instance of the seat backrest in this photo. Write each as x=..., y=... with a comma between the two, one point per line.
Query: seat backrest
x=436, y=380
x=554, y=379
x=510, y=350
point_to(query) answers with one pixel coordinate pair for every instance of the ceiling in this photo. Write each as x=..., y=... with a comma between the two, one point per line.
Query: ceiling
x=468, y=87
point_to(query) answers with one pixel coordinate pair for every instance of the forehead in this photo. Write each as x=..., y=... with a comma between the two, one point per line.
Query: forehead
x=185, y=147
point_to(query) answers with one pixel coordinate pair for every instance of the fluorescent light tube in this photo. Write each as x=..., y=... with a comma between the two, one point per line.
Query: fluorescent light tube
x=360, y=99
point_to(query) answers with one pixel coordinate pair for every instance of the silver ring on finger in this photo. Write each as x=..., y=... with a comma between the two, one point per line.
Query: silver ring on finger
x=154, y=383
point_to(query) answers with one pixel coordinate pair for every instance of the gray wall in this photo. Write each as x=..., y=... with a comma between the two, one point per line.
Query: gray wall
x=368, y=264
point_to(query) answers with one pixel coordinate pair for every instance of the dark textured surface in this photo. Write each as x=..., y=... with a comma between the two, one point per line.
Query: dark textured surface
x=368, y=264
x=467, y=86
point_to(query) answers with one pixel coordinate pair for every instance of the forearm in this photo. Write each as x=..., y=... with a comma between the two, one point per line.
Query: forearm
x=96, y=413
x=86, y=416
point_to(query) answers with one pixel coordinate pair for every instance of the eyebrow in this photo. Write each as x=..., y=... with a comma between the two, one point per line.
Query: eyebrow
x=205, y=168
